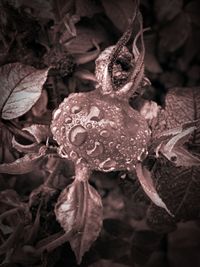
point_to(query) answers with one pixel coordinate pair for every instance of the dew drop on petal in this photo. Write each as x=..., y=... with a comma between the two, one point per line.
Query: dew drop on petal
x=63, y=130
x=97, y=161
x=56, y=114
x=111, y=144
x=77, y=135
x=113, y=125
x=89, y=125
x=54, y=129
x=104, y=133
x=75, y=109
x=108, y=165
x=73, y=154
x=68, y=120
x=96, y=150
x=128, y=160
x=94, y=114
x=62, y=152
x=118, y=146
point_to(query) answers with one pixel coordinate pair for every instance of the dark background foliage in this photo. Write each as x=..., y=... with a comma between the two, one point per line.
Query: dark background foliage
x=68, y=35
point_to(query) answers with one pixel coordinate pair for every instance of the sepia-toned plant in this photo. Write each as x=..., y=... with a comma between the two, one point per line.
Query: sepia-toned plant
x=81, y=120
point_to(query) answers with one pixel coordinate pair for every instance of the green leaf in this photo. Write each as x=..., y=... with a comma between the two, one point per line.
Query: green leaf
x=21, y=87
x=79, y=210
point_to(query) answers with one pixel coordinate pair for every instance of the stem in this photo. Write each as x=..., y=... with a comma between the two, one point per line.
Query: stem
x=82, y=172
x=54, y=244
x=138, y=73
x=16, y=131
x=122, y=41
x=8, y=213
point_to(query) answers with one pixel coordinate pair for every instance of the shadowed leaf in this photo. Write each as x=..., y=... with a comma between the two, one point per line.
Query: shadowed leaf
x=119, y=12
x=88, y=8
x=117, y=228
x=25, y=164
x=84, y=41
x=167, y=10
x=144, y=243
x=174, y=34
x=178, y=186
x=192, y=8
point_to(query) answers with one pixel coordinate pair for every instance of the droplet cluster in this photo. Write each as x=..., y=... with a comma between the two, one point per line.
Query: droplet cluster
x=106, y=134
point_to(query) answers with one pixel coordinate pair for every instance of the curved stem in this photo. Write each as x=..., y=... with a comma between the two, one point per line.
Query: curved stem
x=107, y=83
x=122, y=42
x=138, y=72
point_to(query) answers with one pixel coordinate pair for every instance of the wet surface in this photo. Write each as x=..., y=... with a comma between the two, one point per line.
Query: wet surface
x=107, y=134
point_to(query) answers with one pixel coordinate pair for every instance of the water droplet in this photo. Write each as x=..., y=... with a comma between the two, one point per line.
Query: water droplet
x=123, y=176
x=94, y=114
x=111, y=144
x=54, y=129
x=97, y=161
x=68, y=120
x=77, y=135
x=62, y=130
x=62, y=151
x=114, y=125
x=89, y=125
x=128, y=160
x=96, y=150
x=118, y=146
x=108, y=165
x=75, y=109
x=104, y=133
x=73, y=154
x=56, y=114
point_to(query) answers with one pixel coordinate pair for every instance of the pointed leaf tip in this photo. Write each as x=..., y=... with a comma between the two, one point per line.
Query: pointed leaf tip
x=79, y=210
x=25, y=164
x=146, y=182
